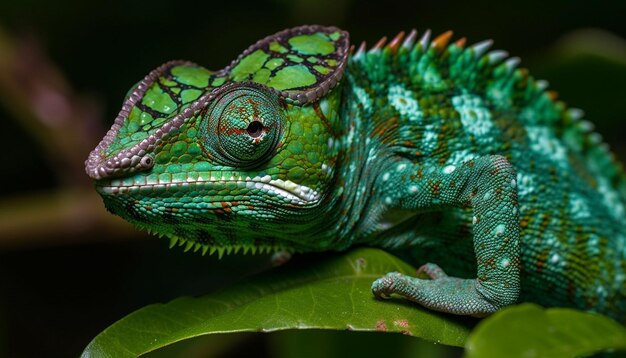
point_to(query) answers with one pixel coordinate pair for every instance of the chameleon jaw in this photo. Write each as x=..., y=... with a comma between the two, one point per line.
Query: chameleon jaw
x=294, y=193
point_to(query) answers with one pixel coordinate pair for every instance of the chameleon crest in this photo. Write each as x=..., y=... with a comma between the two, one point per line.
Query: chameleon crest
x=300, y=66
x=440, y=151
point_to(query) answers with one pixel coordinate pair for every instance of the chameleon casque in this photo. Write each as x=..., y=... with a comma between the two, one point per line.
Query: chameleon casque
x=445, y=152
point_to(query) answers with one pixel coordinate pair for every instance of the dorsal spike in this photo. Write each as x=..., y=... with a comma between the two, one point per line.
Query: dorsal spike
x=586, y=126
x=595, y=138
x=409, y=41
x=461, y=42
x=205, y=248
x=552, y=94
x=440, y=42
x=512, y=63
x=541, y=84
x=496, y=56
x=575, y=113
x=361, y=50
x=173, y=241
x=425, y=39
x=394, y=44
x=524, y=72
x=379, y=45
x=606, y=148
x=481, y=47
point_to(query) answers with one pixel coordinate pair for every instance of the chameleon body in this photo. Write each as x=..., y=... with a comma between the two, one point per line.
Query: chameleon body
x=445, y=152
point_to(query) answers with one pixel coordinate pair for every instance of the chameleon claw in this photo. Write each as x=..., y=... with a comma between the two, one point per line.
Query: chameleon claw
x=384, y=286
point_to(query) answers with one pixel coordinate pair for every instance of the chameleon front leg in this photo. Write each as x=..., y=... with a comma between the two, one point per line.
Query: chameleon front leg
x=488, y=185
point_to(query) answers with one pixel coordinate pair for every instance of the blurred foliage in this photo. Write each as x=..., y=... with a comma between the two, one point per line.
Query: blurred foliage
x=69, y=269
x=527, y=330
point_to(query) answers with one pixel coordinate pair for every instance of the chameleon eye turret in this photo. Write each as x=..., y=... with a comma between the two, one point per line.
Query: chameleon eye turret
x=243, y=125
x=446, y=152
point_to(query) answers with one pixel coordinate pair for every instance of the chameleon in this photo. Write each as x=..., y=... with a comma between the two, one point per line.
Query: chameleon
x=448, y=153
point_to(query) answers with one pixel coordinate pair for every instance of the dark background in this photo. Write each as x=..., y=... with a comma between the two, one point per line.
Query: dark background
x=68, y=269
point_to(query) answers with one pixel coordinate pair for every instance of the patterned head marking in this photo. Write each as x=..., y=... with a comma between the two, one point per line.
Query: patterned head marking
x=300, y=65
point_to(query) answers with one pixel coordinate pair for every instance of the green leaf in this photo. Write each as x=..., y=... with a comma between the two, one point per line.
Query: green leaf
x=527, y=330
x=331, y=294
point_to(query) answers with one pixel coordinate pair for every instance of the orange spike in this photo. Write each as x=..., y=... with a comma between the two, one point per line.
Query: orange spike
x=395, y=43
x=362, y=48
x=379, y=45
x=441, y=41
x=351, y=51
x=553, y=95
x=461, y=42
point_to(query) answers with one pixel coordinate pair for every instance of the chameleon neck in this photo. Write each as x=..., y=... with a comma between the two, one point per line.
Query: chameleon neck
x=342, y=212
x=364, y=158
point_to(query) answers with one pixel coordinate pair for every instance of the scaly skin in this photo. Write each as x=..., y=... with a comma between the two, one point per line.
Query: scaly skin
x=444, y=153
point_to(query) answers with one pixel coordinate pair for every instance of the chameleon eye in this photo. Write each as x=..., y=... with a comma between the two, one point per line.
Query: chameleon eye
x=243, y=126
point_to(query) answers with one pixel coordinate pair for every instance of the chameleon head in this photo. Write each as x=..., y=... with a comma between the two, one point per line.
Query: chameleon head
x=238, y=158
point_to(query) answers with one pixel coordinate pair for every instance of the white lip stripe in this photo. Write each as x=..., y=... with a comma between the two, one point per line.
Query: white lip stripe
x=296, y=193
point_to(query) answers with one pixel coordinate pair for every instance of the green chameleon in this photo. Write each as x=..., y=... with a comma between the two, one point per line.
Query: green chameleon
x=445, y=152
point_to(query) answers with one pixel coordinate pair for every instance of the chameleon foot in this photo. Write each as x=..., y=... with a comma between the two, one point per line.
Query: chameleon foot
x=441, y=292
x=384, y=286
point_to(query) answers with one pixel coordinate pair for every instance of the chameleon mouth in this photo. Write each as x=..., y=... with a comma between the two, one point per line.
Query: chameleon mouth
x=293, y=192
